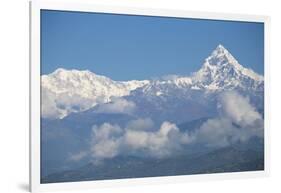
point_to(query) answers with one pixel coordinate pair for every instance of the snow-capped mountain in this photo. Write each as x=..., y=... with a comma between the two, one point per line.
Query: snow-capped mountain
x=67, y=91
x=87, y=84
x=220, y=71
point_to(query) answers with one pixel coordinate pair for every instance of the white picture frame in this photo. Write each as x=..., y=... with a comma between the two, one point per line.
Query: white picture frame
x=36, y=6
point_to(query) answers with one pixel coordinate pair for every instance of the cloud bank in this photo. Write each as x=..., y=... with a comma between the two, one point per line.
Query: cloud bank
x=111, y=140
x=238, y=109
x=58, y=106
x=238, y=122
x=54, y=106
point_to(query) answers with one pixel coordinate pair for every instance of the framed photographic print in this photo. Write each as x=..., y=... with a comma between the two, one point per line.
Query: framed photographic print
x=124, y=96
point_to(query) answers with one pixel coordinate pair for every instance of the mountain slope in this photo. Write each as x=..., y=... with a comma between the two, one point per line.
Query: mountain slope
x=73, y=102
x=222, y=71
x=228, y=159
x=68, y=91
x=181, y=98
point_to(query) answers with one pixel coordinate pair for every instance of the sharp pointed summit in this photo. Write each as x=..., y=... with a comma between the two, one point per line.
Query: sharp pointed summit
x=221, y=49
x=222, y=70
x=221, y=56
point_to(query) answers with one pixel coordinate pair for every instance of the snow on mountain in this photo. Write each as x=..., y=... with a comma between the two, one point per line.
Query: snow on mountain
x=66, y=91
x=222, y=71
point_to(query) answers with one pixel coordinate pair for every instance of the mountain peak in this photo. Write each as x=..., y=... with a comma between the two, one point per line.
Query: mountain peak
x=221, y=56
x=220, y=52
x=68, y=91
x=73, y=71
x=221, y=49
x=222, y=70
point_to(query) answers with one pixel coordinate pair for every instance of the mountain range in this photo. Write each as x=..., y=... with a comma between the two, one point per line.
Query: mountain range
x=67, y=91
x=94, y=128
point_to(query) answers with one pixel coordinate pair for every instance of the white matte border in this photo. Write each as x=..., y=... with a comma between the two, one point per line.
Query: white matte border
x=36, y=6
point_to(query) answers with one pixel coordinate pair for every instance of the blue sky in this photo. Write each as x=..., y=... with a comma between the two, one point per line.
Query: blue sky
x=126, y=47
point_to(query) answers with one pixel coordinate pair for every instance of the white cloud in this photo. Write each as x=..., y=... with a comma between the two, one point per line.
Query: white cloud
x=111, y=140
x=217, y=132
x=239, y=121
x=238, y=109
x=105, y=141
x=157, y=143
x=48, y=105
x=142, y=137
x=117, y=105
x=58, y=106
